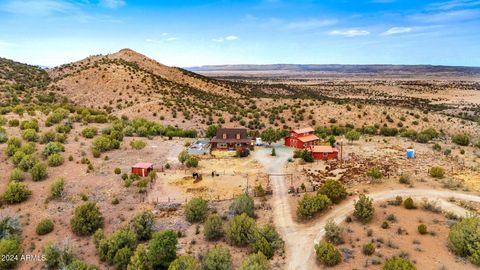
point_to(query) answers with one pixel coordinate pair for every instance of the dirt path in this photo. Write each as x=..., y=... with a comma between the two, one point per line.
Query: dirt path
x=301, y=238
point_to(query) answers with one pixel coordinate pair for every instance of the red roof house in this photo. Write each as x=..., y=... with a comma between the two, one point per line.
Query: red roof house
x=322, y=152
x=302, y=138
x=142, y=169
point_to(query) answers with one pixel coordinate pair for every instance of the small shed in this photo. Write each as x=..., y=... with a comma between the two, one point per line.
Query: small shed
x=321, y=152
x=142, y=169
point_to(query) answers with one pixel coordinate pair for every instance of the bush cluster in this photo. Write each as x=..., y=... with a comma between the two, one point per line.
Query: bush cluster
x=86, y=219
x=334, y=190
x=44, y=226
x=310, y=205
x=364, y=209
x=464, y=239
x=327, y=254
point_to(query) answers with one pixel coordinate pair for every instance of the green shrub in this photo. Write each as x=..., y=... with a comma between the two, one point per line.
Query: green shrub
x=30, y=135
x=461, y=139
x=27, y=162
x=13, y=144
x=53, y=148
x=213, y=227
x=137, y=144
x=368, y=249
x=334, y=190
x=13, y=122
x=3, y=137
x=39, y=172
x=255, y=261
x=398, y=263
x=142, y=225
x=17, y=175
x=364, y=209
x=196, y=210
x=192, y=162
x=309, y=205
x=89, y=132
x=437, y=147
x=139, y=259
x=409, y=203
x=28, y=148
x=183, y=156
x=184, y=263
x=86, y=219
x=117, y=248
x=56, y=188
x=217, y=258
x=117, y=171
x=464, y=239
x=404, y=179
x=55, y=160
x=422, y=229
x=162, y=249
x=375, y=173
x=437, y=172
x=12, y=248
x=44, y=226
x=32, y=124
x=327, y=254
x=303, y=154
x=241, y=230
x=243, y=204
x=16, y=193
x=17, y=157
x=333, y=233
x=385, y=225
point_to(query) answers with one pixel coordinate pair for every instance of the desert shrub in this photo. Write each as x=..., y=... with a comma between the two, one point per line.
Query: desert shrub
x=86, y=219
x=461, y=139
x=13, y=144
x=162, y=249
x=39, y=172
x=183, y=156
x=437, y=172
x=32, y=124
x=3, y=137
x=17, y=157
x=327, y=254
x=334, y=190
x=333, y=233
x=243, y=204
x=409, y=203
x=385, y=225
x=56, y=188
x=477, y=144
x=375, y=173
x=53, y=148
x=80, y=265
x=89, y=132
x=196, y=210
x=422, y=229
x=27, y=162
x=44, y=226
x=256, y=261
x=352, y=135
x=10, y=228
x=137, y=144
x=13, y=122
x=28, y=148
x=139, y=259
x=192, y=162
x=105, y=143
x=363, y=209
x=56, y=256
x=117, y=248
x=64, y=128
x=55, y=160
x=309, y=205
x=30, y=135
x=213, y=227
x=16, y=193
x=368, y=249
x=388, y=132
x=303, y=154
x=142, y=225
x=464, y=239
x=261, y=245
x=259, y=191
x=184, y=263
x=217, y=258
x=398, y=263
x=437, y=147
x=9, y=247
x=16, y=175
x=117, y=171
x=404, y=179
x=241, y=230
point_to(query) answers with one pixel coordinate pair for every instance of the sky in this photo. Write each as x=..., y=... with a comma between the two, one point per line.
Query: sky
x=194, y=32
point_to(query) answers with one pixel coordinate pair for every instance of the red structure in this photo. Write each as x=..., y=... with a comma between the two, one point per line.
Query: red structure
x=302, y=138
x=142, y=169
x=321, y=152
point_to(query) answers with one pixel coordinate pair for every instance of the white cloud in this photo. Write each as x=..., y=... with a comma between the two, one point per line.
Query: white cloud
x=227, y=38
x=447, y=16
x=171, y=39
x=349, y=33
x=310, y=24
x=37, y=7
x=230, y=38
x=455, y=4
x=396, y=30
x=112, y=3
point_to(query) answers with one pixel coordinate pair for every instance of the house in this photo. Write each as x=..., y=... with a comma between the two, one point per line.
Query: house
x=302, y=138
x=142, y=169
x=231, y=139
x=322, y=152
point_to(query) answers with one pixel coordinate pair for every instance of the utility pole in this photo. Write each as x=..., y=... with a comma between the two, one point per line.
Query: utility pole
x=341, y=153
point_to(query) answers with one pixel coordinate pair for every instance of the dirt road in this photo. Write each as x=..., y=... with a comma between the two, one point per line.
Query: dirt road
x=301, y=238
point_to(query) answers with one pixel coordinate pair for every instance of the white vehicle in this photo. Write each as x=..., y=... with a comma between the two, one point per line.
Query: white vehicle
x=258, y=141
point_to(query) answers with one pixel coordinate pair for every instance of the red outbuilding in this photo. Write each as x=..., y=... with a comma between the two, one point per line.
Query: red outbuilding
x=142, y=169
x=322, y=152
x=302, y=138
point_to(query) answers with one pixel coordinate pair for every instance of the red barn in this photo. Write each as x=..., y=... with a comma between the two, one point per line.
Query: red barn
x=142, y=169
x=302, y=138
x=321, y=152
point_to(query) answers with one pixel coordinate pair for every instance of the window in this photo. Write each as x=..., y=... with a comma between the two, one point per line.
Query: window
x=325, y=154
x=238, y=136
x=224, y=136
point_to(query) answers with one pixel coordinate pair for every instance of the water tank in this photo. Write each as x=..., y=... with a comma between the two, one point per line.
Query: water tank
x=410, y=153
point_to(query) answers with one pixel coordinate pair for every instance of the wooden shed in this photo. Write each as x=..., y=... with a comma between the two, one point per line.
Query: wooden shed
x=321, y=152
x=142, y=168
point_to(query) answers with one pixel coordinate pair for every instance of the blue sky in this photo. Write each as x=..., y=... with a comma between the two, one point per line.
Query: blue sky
x=190, y=33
